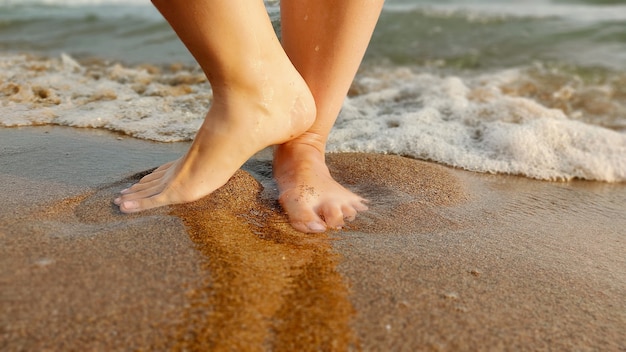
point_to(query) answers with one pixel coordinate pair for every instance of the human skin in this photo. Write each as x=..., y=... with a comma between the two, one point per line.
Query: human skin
x=325, y=40
x=260, y=99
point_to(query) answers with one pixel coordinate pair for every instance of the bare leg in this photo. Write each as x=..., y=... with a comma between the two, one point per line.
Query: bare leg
x=259, y=99
x=326, y=41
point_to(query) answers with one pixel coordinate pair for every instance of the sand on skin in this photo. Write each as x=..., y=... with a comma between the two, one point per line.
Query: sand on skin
x=444, y=260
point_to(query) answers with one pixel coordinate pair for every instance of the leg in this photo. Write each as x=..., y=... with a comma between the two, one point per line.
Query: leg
x=259, y=99
x=326, y=41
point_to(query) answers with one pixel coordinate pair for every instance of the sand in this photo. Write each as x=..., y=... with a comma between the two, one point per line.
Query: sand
x=445, y=259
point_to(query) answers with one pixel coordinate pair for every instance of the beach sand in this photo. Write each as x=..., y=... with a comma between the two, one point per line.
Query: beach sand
x=444, y=260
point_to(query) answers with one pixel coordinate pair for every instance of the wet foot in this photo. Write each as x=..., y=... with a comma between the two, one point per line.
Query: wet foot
x=240, y=122
x=312, y=199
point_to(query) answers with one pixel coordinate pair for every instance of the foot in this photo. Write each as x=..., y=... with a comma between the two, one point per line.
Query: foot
x=240, y=122
x=312, y=199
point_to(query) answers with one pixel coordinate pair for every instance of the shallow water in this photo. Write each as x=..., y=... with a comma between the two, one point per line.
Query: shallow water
x=533, y=88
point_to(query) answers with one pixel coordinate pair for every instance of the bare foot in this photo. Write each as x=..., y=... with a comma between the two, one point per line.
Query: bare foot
x=312, y=199
x=240, y=122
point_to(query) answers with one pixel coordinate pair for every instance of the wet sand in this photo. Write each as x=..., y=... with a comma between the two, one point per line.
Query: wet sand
x=445, y=259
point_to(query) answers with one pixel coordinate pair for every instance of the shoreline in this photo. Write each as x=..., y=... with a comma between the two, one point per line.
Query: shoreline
x=445, y=259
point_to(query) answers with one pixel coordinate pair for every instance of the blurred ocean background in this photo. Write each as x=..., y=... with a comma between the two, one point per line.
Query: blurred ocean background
x=534, y=88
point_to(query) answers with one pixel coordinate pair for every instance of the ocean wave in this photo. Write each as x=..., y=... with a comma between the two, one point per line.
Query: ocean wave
x=478, y=124
x=72, y=2
x=540, y=122
x=145, y=102
x=481, y=11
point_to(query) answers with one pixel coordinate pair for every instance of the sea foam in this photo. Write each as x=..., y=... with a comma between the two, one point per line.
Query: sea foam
x=474, y=125
x=486, y=123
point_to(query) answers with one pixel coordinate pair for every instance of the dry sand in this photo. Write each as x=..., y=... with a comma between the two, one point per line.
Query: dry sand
x=444, y=260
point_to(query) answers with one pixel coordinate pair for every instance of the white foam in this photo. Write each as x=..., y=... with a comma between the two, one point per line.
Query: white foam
x=472, y=123
x=86, y=2
x=133, y=101
x=479, y=10
x=74, y=2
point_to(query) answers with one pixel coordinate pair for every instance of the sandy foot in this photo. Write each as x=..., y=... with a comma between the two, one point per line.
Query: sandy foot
x=312, y=199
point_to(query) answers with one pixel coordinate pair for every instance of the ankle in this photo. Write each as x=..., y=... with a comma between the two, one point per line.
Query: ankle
x=306, y=143
x=298, y=155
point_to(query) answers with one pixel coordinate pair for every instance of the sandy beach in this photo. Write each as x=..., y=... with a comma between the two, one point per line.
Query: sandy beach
x=444, y=260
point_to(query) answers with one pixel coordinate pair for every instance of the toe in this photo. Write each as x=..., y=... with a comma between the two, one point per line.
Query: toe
x=133, y=206
x=349, y=213
x=333, y=216
x=141, y=186
x=160, y=169
x=129, y=206
x=151, y=177
x=302, y=217
x=148, y=180
x=308, y=222
x=156, y=174
x=309, y=227
x=135, y=196
x=360, y=205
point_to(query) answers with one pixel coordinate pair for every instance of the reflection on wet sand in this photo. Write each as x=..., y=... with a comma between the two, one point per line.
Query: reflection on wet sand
x=273, y=288
x=270, y=287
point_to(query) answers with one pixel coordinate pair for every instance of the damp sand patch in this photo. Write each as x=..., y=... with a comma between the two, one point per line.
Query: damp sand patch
x=273, y=288
x=270, y=287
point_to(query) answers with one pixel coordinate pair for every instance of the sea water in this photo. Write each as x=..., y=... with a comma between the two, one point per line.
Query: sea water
x=534, y=88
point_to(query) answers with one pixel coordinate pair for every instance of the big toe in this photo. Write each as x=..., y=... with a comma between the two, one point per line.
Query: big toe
x=136, y=205
x=303, y=219
x=314, y=226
